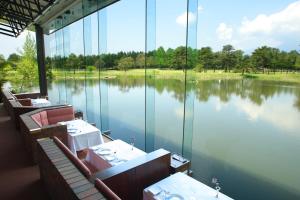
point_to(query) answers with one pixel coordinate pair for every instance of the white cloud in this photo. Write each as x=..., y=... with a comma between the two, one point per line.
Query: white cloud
x=181, y=19
x=224, y=32
x=219, y=105
x=275, y=30
x=285, y=21
x=200, y=8
x=271, y=112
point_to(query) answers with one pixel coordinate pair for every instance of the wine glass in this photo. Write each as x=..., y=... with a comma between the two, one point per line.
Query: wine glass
x=132, y=140
x=217, y=186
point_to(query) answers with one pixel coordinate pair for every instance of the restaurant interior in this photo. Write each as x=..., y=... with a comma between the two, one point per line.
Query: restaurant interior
x=51, y=150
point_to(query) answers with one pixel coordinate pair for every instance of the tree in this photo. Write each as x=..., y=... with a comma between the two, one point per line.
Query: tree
x=27, y=71
x=199, y=67
x=205, y=57
x=262, y=57
x=293, y=57
x=13, y=59
x=227, y=57
x=179, y=59
x=72, y=62
x=125, y=63
x=238, y=58
x=2, y=71
x=99, y=63
x=140, y=61
x=169, y=58
x=246, y=64
x=297, y=63
x=160, y=58
x=2, y=60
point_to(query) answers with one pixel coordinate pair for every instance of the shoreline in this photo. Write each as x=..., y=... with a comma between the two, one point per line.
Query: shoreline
x=291, y=77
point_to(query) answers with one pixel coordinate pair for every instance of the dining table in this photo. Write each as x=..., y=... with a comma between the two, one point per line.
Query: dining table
x=112, y=153
x=180, y=186
x=40, y=102
x=82, y=135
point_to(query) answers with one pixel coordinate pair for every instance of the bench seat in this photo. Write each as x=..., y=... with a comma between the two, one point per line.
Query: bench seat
x=43, y=123
x=61, y=177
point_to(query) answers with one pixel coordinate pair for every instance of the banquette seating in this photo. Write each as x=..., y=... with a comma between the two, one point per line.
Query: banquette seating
x=42, y=123
x=19, y=107
x=17, y=104
x=67, y=177
x=106, y=191
x=63, y=178
x=83, y=165
x=8, y=96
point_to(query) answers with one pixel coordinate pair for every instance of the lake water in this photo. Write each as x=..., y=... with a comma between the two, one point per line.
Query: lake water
x=246, y=133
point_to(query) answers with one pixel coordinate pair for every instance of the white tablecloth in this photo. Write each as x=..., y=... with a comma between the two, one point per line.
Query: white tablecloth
x=82, y=135
x=119, y=149
x=40, y=102
x=185, y=186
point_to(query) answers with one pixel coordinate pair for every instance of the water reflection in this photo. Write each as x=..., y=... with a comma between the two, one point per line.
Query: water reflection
x=254, y=90
x=246, y=132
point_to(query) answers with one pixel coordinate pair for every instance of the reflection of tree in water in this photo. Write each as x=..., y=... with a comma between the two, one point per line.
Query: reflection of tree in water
x=297, y=102
x=176, y=87
x=255, y=90
x=73, y=86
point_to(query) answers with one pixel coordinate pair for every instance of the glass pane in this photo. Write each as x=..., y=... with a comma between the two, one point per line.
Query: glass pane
x=91, y=71
x=192, y=20
x=125, y=80
x=101, y=65
x=169, y=65
x=59, y=35
x=150, y=75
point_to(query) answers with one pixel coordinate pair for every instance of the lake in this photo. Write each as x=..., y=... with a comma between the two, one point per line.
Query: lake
x=244, y=132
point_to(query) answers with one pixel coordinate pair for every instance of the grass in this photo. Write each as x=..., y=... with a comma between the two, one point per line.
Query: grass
x=178, y=74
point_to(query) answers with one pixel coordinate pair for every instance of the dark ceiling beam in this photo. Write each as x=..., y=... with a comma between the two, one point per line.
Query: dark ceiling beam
x=17, y=14
x=38, y=5
x=28, y=6
x=3, y=33
x=3, y=29
x=9, y=25
x=15, y=3
x=14, y=20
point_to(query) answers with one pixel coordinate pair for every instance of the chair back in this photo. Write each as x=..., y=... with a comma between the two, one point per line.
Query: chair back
x=78, y=163
x=108, y=193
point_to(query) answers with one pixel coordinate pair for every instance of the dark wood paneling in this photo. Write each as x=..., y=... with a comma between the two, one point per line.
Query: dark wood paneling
x=60, y=176
x=129, y=179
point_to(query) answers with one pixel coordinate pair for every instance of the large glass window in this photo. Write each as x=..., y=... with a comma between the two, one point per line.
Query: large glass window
x=124, y=73
x=177, y=74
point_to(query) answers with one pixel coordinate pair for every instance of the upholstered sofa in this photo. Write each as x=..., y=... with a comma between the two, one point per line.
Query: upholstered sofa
x=42, y=123
x=64, y=176
x=7, y=96
x=124, y=181
x=19, y=107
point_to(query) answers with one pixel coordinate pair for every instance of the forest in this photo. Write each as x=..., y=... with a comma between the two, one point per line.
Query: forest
x=263, y=59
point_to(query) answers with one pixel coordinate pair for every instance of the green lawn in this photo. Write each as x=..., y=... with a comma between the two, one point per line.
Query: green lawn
x=178, y=74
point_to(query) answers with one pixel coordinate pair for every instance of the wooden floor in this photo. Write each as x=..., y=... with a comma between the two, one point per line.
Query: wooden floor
x=19, y=179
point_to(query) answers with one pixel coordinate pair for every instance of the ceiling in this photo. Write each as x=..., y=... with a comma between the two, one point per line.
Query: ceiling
x=17, y=15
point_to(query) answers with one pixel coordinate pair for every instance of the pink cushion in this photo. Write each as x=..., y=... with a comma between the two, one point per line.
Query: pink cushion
x=103, y=189
x=44, y=118
x=60, y=114
x=37, y=118
x=84, y=169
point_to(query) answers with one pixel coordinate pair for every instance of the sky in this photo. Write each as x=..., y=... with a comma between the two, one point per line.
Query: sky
x=245, y=24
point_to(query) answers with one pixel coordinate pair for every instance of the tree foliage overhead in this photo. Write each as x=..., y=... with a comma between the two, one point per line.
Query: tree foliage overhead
x=27, y=70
